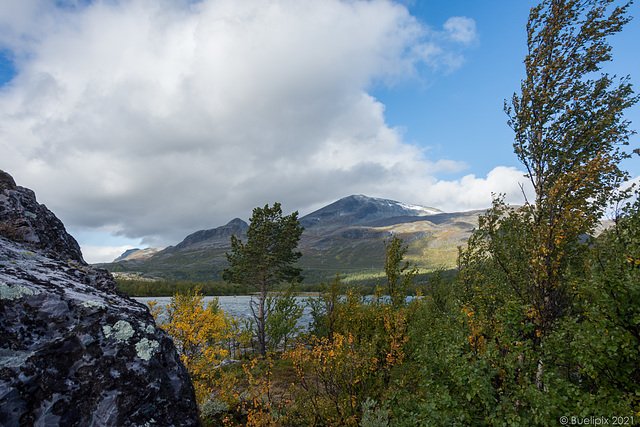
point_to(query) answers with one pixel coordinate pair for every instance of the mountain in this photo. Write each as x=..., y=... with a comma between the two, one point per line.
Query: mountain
x=346, y=236
x=137, y=253
x=360, y=210
x=217, y=238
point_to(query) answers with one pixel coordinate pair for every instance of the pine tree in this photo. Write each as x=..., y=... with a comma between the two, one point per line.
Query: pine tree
x=266, y=259
x=399, y=275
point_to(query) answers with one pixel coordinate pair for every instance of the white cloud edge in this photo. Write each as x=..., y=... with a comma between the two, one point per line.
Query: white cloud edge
x=99, y=254
x=126, y=119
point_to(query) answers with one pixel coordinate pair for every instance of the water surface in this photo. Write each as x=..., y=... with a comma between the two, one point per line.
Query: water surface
x=236, y=306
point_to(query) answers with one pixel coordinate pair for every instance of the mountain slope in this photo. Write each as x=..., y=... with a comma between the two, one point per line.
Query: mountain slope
x=136, y=253
x=215, y=238
x=347, y=236
x=359, y=210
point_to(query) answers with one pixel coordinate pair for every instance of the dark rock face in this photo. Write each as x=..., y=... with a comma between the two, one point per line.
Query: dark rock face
x=73, y=350
x=24, y=220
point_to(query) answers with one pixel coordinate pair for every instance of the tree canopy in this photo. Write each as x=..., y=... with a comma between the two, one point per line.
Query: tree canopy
x=568, y=119
x=266, y=258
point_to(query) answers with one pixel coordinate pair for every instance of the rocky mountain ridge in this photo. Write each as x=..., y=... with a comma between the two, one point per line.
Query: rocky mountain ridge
x=346, y=235
x=215, y=238
x=361, y=210
x=26, y=221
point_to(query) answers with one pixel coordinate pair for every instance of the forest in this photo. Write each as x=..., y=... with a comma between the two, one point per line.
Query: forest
x=539, y=325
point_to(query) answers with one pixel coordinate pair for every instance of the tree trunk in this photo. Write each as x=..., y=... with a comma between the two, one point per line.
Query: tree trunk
x=261, y=321
x=539, y=382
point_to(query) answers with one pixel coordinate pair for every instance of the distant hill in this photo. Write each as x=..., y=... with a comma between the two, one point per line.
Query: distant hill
x=136, y=253
x=347, y=236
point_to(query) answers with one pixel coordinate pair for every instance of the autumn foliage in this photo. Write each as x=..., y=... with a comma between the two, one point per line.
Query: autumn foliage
x=541, y=320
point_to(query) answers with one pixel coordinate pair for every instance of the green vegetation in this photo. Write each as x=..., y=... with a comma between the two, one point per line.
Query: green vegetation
x=190, y=267
x=281, y=320
x=363, y=282
x=266, y=259
x=469, y=351
x=166, y=288
x=541, y=324
x=364, y=262
x=399, y=276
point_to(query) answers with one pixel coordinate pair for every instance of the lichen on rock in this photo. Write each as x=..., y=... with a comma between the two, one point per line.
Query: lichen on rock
x=121, y=331
x=146, y=348
x=93, y=304
x=15, y=292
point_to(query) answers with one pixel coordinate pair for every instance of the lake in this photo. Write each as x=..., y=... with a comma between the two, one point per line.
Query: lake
x=236, y=306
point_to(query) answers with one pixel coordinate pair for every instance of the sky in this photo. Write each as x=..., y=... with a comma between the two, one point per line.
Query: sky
x=138, y=122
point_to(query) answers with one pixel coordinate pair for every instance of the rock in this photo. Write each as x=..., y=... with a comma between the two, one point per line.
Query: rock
x=24, y=220
x=226, y=362
x=73, y=350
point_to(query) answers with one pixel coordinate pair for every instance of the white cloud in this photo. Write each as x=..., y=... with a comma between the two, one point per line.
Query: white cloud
x=445, y=48
x=461, y=29
x=633, y=182
x=157, y=118
x=417, y=186
x=96, y=254
x=471, y=192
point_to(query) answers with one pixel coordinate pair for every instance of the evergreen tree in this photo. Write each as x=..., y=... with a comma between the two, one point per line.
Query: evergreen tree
x=266, y=259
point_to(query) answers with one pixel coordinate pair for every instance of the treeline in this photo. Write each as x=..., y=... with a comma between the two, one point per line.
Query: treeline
x=178, y=272
x=167, y=288
x=365, y=284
